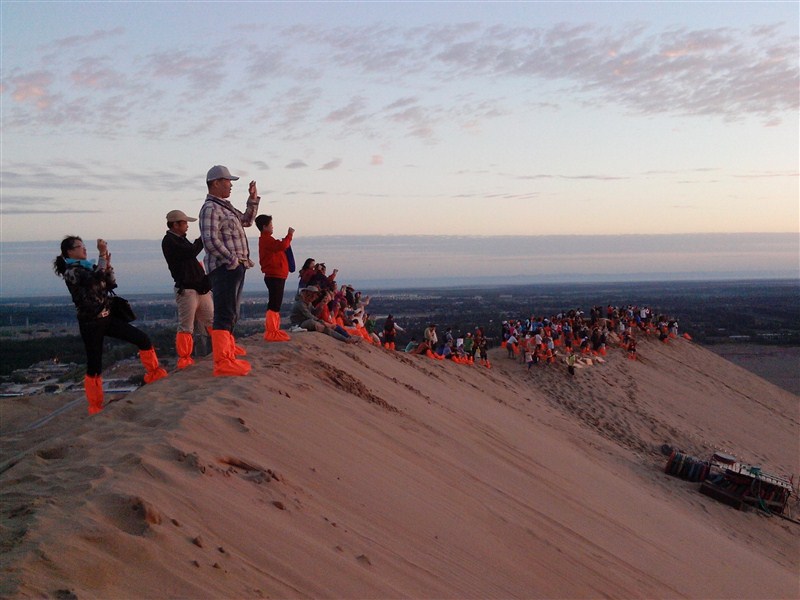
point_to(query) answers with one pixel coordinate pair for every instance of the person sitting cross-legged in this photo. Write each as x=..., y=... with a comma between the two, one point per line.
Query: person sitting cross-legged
x=304, y=317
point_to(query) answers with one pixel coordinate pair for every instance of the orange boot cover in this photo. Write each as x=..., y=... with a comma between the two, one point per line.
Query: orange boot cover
x=93, y=386
x=225, y=361
x=152, y=370
x=184, y=344
x=272, y=326
x=360, y=331
x=237, y=350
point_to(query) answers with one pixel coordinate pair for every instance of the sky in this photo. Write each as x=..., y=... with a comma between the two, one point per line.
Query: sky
x=432, y=119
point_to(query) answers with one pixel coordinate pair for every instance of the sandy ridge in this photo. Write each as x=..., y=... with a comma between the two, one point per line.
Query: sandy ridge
x=340, y=471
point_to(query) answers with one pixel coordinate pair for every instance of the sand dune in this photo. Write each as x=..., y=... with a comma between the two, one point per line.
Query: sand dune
x=338, y=471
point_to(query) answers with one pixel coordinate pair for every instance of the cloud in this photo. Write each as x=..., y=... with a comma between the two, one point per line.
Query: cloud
x=296, y=164
x=792, y=174
x=330, y=165
x=647, y=69
x=38, y=205
x=43, y=211
x=289, y=110
x=595, y=177
x=95, y=73
x=71, y=176
x=352, y=113
x=32, y=88
x=419, y=121
x=401, y=103
x=195, y=68
x=729, y=72
x=88, y=39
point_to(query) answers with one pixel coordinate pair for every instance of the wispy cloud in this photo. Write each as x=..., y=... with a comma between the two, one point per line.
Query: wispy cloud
x=296, y=164
x=351, y=114
x=32, y=89
x=73, y=41
x=96, y=73
x=730, y=73
x=331, y=165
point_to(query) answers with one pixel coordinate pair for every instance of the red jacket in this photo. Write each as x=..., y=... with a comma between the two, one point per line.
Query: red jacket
x=272, y=255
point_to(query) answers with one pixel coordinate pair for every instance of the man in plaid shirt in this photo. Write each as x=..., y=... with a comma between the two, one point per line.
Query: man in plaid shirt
x=227, y=258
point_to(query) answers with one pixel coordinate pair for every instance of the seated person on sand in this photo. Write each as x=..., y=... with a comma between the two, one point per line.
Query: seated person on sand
x=357, y=328
x=332, y=311
x=366, y=323
x=306, y=272
x=359, y=300
x=411, y=345
x=303, y=317
x=323, y=307
x=422, y=348
x=336, y=307
x=430, y=335
x=320, y=279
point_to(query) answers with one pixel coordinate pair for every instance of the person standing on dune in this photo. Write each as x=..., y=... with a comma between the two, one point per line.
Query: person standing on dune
x=227, y=260
x=90, y=286
x=192, y=285
x=275, y=266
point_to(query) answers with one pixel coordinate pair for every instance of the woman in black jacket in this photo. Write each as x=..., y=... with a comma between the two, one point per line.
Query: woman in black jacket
x=90, y=284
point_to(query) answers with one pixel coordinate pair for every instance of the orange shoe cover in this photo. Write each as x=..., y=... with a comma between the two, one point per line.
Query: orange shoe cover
x=93, y=386
x=225, y=361
x=184, y=344
x=153, y=372
x=272, y=328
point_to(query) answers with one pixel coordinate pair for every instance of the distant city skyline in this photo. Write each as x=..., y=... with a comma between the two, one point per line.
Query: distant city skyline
x=398, y=118
x=370, y=262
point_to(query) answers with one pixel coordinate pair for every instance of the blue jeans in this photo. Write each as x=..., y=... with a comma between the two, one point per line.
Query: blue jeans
x=226, y=286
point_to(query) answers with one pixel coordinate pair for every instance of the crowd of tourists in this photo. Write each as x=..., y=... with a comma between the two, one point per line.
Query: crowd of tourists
x=539, y=340
x=208, y=294
x=463, y=350
x=208, y=298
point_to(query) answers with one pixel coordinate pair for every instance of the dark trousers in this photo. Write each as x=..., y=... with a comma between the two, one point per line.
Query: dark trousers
x=275, y=287
x=226, y=286
x=93, y=333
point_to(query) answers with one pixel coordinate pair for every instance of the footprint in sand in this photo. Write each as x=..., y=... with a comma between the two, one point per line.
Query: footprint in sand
x=56, y=453
x=131, y=514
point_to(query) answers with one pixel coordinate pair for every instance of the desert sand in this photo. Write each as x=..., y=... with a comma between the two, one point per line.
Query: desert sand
x=348, y=471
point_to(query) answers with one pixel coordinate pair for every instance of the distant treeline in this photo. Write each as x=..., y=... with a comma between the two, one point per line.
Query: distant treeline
x=19, y=354
x=764, y=312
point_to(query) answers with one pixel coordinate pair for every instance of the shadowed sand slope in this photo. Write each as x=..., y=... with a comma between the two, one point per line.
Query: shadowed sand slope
x=351, y=472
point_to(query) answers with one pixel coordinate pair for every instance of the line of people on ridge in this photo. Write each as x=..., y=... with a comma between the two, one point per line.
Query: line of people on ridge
x=208, y=294
x=462, y=350
x=227, y=257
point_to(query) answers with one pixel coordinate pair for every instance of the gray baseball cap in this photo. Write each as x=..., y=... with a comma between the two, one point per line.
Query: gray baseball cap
x=219, y=172
x=178, y=215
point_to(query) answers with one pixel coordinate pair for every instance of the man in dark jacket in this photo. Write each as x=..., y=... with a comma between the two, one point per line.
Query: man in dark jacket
x=195, y=305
